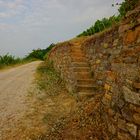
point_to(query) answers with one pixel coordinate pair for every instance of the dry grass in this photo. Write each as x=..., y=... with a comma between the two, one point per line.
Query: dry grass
x=56, y=115
x=51, y=102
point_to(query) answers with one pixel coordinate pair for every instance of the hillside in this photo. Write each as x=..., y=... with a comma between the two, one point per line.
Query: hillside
x=102, y=72
x=86, y=88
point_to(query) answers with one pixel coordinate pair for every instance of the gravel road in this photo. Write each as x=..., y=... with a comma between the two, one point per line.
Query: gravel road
x=14, y=86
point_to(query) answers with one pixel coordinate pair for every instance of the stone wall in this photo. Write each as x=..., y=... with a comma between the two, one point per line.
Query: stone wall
x=62, y=61
x=114, y=57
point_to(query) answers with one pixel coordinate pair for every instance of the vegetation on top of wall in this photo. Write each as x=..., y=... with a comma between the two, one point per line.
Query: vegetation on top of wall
x=126, y=6
x=100, y=25
x=9, y=60
x=39, y=53
x=105, y=23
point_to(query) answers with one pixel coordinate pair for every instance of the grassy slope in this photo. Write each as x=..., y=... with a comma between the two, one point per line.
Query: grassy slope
x=55, y=114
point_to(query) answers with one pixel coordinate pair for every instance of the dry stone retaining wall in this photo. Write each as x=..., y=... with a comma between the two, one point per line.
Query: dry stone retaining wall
x=62, y=61
x=114, y=58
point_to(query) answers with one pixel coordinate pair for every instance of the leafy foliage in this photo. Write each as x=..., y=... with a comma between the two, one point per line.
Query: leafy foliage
x=7, y=60
x=105, y=23
x=100, y=25
x=39, y=53
x=126, y=6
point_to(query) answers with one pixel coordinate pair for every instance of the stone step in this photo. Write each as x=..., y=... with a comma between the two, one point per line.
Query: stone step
x=73, y=54
x=79, y=59
x=83, y=75
x=76, y=46
x=76, y=51
x=83, y=95
x=85, y=81
x=80, y=64
x=81, y=69
x=85, y=88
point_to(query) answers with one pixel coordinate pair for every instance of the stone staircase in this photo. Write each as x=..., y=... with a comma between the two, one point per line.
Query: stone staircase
x=83, y=75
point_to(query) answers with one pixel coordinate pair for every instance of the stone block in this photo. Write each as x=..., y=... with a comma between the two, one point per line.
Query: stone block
x=127, y=113
x=124, y=136
x=132, y=129
x=124, y=28
x=131, y=36
x=130, y=60
x=129, y=82
x=136, y=118
x=134, y=108
x=121, y=103
x=122, y=124
x=107, y=87
x=136, y=85
x=115, y=43
x=105, y=45
x=111, y=112
x=138, y=134
x=112, y=128
x=130, y=96
x=117, y=116
x=111, y=75
x=106, y=99
x=98, y=61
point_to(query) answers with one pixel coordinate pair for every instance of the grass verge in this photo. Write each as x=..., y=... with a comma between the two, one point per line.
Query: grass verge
x=56, y=115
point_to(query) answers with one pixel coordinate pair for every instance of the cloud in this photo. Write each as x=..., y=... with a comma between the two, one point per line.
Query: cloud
x=11, y=5
x=5, y=26
x=11, y=9
x=30, y=24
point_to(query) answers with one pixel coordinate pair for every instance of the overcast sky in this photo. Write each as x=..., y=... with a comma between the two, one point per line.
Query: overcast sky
x=31, y=24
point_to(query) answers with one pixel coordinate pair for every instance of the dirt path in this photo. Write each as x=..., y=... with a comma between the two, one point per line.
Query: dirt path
x=14, y=85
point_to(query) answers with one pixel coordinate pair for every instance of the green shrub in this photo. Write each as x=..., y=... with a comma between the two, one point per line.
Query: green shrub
x=39, y=53
x=8, y=60
x=126, y=6
x=101, y=25
x=105, y=23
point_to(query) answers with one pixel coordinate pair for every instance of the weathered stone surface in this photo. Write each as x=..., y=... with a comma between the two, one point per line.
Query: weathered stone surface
x=105, y=45
x=129, y=82
x=111, y=112
x=131, y=36
x=136, y=118
x=124, y=28
x=121, y=103
x=130, y=96
x=127, y=113
x=134, y=108
x=112, y=129
x=136, y=85
x=122, y=124
x=98, y=61
x=132, y=129
x=124, y=136
x=114, y=57
x=111, y=76
x=138, y=134
x=115, y=43
x=106, y=99
x=130, y=60
x=107, y=87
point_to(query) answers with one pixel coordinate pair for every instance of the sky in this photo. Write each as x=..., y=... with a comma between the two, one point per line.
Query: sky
x=30, y=24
